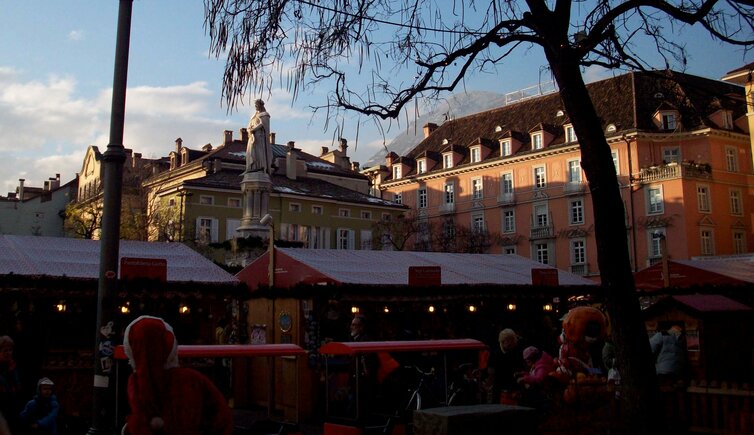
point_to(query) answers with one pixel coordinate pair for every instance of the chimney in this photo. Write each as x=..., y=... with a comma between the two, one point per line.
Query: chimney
x=429, y=128
x=244, y=135
x=272, y=138
x=355, y=166
x=290, y=161
x=228, y=137
x=217, y=165
x=343, y=145
x=136, y=159
x=21, y=189
x=178, y=145
x=325, y=150
x=54, y=183
x=207, y=148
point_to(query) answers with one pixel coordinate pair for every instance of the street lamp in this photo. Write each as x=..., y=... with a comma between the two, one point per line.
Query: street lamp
x=267, y=220
x=182, y=194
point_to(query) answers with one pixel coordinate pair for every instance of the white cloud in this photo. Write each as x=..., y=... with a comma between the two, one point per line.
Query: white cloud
x=76, y=35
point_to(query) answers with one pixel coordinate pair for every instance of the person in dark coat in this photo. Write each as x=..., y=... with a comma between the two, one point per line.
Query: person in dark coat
x=505, y=363
x=10, y=384
x=40, y=415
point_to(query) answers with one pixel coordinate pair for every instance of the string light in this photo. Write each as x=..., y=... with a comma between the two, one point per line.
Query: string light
x=547, y=307
x=431, y=309
x=511, y=307
x=184, y=309
x=354, y=310
x=386, y=309
x=60, y=306
x=472, y=308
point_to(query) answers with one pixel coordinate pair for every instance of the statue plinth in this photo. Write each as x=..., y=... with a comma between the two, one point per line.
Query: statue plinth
x=256, y=187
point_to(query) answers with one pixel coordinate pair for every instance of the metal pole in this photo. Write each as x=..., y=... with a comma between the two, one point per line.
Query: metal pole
x=112, y=174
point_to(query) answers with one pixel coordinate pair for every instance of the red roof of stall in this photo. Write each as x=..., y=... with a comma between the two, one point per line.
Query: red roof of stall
x=352, y=348
x=735, y=270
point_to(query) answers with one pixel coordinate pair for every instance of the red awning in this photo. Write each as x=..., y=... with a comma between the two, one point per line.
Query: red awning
x=352, y=348
x=230, y=351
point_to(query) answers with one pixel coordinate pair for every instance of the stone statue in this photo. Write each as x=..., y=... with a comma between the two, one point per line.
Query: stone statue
x=259, y=148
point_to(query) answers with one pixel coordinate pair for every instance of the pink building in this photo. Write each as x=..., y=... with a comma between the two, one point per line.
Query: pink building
x=681, y=149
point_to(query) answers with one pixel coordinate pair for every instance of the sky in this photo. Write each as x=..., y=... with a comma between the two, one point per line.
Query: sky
x=56, y=74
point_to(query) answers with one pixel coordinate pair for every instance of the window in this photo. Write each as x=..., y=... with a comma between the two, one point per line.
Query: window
x=234, y=202
x=655, y=203
x=345, y=238
x=671, y=154
x=509, y=250
x=542, y=253
x=206, y=200
x=317, y=209
x=398, y=198
x=707, y=242
x=574, y=171
x=578, y=252
x=656, y=237
x=702, y=198
x=422, y=199
x=450, y=197
x=509, y=221
x=318, y=238
x=396, y=172
x=739, y=242
x=727, y=119
x=616, y=162
x=570, y=134
x=576, y=211
x=540, y=180
x=386, y=217
x=476, y=154
x=731, y=159
x=477, y=223
x=206, y=230
x=506, y=182
x=294, y=207
x=421, y=166
x=365, y=214
x=668, y=121
x=735, y=202
x=366, y=240
x=536, y=141
x=230, y=228
x=291, y=232
x=344, y=212
x=541, y=218
x=447, y=161
x=505, y=148
x=477, y=188
x=171, y=202
x=449, y=230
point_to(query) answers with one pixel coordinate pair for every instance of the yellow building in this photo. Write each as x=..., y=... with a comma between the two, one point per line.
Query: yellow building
x=509, y=180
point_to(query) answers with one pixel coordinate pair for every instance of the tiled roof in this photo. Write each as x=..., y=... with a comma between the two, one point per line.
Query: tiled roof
x=79, y=258
x=305, y=186
x=391, y=267
x=616, y=100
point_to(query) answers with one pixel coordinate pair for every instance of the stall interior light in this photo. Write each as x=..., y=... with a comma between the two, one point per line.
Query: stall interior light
x=60, y=307
x=547, y=307
x=354, y=310
x=431, y=309
x=184, y=309
x=386, y=309
x=125, y=308
x=472, y=308
x=511, y=307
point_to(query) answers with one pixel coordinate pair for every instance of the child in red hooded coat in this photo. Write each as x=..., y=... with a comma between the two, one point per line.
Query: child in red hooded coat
x=165, y=398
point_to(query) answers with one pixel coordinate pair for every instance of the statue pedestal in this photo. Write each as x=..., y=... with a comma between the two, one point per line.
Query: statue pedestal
x=256, y=187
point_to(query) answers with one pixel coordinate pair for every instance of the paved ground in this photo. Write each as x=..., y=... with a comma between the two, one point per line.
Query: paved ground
x=256, y=422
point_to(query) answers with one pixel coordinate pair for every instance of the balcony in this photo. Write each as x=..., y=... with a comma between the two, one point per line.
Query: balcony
x=448, y=207
x=506, y=198
x=580, y=269
x=671, y=171
x=542, y=232
x=574, y=187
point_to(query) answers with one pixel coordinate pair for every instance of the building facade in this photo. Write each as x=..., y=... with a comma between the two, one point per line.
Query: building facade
x=320, y=204
x=681, y=151
x=37, y=211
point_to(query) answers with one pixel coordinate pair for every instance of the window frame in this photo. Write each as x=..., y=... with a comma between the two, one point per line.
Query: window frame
x=540, y=180
x=669, y=121
x=397, y=172
x=537, y=141
x=318, y=210
x=671, y=154
x=206, y=200
x=572, y=170
x=475, y=154
x=477, y=188
x=506, y=148
x=655, y=208
x=449, y=195
x=508, y=220
x=577, y=253
x=542, y=252
x=233, y=199
x=731, y=159
x=707, y=241
x=294, y=207
x=735, y=199
x=398, y=197
x=421, y=198
x=573, y=209
x=447, y=160
x=344, y=212
x=570, y=134
x=703, y=198
x=504, y=185
x=739, y=243
x=421, y=166
x=654, y=242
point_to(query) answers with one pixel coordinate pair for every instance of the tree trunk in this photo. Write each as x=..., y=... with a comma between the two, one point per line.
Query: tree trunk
x=639, y=382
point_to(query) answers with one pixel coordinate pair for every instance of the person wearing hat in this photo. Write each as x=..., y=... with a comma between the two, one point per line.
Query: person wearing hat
x=40, y=415
x=540, y=364
x=163, y=397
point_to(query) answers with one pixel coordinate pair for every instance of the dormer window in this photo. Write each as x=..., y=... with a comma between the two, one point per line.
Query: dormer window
x=447, y=160
x=570, y=134
x=505, y=148
x=476, y=154
x=421, y=166
x=668, y=120
x=536, y=141
x=396, y=172
x=727, y=119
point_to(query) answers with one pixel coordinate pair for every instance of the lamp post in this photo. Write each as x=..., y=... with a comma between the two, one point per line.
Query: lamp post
x=267, y=220
x=112, y=173
x=182, y=194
